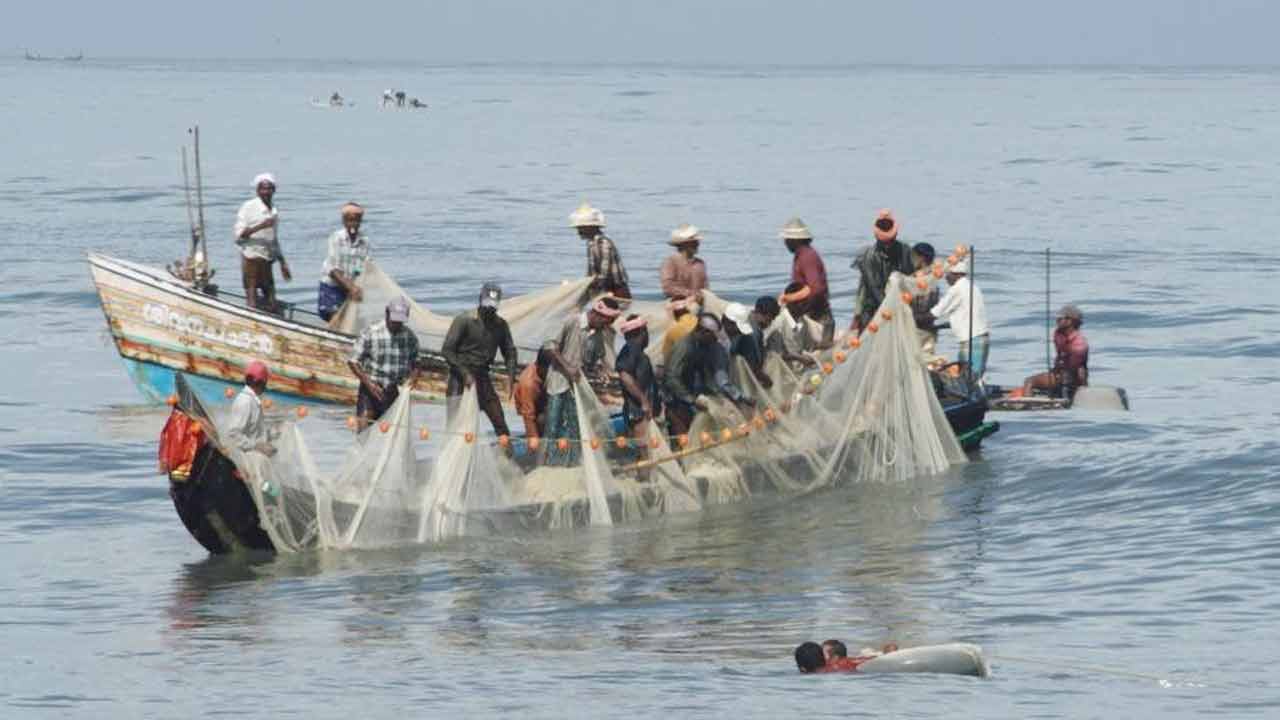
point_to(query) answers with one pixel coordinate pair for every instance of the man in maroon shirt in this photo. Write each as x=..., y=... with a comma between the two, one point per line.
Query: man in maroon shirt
x=1071, y=368
x=807, y=268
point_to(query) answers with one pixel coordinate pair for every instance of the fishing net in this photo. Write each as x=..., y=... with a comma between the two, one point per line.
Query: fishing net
x=864, y=412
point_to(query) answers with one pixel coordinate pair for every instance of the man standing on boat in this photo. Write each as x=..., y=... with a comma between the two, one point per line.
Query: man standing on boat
x=256, y=234
x=348, y=252
x=470, y=347
x=922, y=255
x=604, y=266
x=954, y=308
x=245, y=428
x=875, y=264
x=383, y=358
x=585, y=346
x=807, y=267
x=683, y=274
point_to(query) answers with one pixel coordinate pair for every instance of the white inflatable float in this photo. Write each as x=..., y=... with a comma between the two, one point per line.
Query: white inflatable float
x=952, y=658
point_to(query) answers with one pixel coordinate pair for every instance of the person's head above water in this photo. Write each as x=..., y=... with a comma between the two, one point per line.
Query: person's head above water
x=834, y=649
x=809, y=657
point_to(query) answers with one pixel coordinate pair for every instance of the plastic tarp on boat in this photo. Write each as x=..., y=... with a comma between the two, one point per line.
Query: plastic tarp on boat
x=867, y=413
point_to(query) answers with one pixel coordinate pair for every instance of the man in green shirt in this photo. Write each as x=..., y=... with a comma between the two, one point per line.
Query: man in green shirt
x=470, y=347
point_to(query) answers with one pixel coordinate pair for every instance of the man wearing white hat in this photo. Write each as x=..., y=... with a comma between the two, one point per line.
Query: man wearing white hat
x=382, y=358
x=255, y=233
x=744, y=342
x=807, y=267
x=683, y=274
x=954, y=308
x=604, y=265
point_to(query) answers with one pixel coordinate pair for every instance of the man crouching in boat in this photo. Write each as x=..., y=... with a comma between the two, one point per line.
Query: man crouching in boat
x=246, y=429
x=382, y=358
x=348, y=252
x=471, y=345
x=699, y=366
x=259, y=243
x=1071, y=368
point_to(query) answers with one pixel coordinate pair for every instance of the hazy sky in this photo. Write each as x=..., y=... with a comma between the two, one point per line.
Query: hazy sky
x=1152, y=32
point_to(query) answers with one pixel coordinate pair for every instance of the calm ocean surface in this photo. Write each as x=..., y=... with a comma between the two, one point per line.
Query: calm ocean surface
x=1111, y=565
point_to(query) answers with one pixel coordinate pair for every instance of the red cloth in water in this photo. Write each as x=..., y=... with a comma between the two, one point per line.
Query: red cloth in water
x=844, y=664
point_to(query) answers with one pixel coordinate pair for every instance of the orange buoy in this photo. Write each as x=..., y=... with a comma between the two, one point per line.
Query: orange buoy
x=758, y=422
x=351, y=422
x=171, y=401
x=827, y=368
x=229, y=392
x=855, y=342
x=873, y=327
x=504, y=441
x=922, y=284
x=469, y=437
x=267, y=403
x=906, y=298
x=683, y=439
x=770, y=415
x=654, y=442
x=563, y=444
x=839, y=356
x=621, y=442
x=384, y=426
x=424, y=434
x=705, y=437
x=595, y=443
x=535, y=442
x=726, y=434
x=887, y=314
x=302, y=411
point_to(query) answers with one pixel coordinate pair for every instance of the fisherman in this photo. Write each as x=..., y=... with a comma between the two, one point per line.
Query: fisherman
x=335, y=100
x=604, y=266
x=348, y=253
x=256, y=234
x=1071, y=366
x=416, y=103
x=382, y=358
x=400, y=96
x=388, y=97
x=683, y=274
x=807, y=267
x=698, y=366
x=530, y=393
x=246, y=430
x=683, y=323
x=875, y=264
x=810, y=658
x=788, y=336
x=954, y=308
x=763, y=314
x=922, y=255
x=585, y=346
x=641, y=401
x=470, y=347
x=745, y=341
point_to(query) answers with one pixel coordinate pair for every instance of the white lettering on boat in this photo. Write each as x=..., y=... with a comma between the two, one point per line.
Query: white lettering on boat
x=167, y=317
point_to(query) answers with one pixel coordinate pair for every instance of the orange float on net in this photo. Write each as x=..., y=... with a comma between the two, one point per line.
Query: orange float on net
x=351, y=422
x=563, y=444
x=705, y=437
x=683, y=439
x=384, y=426
x=873, y=327
x=504, y=441
x=839, y=356
x=535, y=443
x=654, y=443
x=595, y=443
x=726, y=434
x=469, y=437
x=855, y=342
x=424, y=434
x=229, y=392
x=906, y=298
x=301, y=411
x=922, y=284
x=620, y=442
x=267, y=403
x=828, y=368
x=758, y=422
x=770, y=415
x=171, y=401
x=887, y=314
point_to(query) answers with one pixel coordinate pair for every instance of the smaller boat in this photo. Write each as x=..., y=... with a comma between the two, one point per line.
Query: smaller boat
x=951, y=659
x=1089, y=397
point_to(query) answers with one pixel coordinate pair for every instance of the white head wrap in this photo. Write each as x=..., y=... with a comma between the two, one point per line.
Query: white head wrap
x=263, y=177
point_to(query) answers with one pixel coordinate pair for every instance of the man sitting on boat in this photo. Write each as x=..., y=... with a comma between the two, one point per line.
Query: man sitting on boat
x=954, y=308
x=245, y=428
x=471, y=345
x=1071, y=367
x=585, y=346
x=699, y=366
x=382, y=358
x=256, y=234
x=604, y=266
x=530, y=393
x=348, y=253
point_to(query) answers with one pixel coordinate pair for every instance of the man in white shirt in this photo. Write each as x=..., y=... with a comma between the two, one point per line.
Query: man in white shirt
x=256, y=234
x=245, y=428
x=953, y=308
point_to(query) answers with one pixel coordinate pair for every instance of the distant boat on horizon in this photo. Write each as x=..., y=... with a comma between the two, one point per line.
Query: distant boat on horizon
x=36, y=57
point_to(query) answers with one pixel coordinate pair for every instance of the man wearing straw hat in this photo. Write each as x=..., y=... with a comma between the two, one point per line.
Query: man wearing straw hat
x=875, y=264
x=256, y=234
x=807, y=267
x=604, y=265
x=348, y=253
x=683, y=274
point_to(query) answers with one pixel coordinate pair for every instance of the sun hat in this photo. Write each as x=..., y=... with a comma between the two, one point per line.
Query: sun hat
x=265, y=177
x=398, y=310
x=739, y=315
x=586, y=216
x=686, y=233
x=960, y=268
x=795, y=229
x=886, y=234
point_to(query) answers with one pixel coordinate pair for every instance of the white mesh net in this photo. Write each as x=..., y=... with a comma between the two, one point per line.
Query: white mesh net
x=866, y=413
